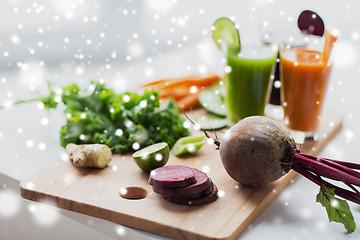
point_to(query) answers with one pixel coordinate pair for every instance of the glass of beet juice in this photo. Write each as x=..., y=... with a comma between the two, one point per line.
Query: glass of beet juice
x=249, y=69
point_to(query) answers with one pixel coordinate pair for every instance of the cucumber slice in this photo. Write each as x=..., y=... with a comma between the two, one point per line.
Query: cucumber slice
x=212, y=122
x=187, y=145
x=224, y=29
x=212, y=100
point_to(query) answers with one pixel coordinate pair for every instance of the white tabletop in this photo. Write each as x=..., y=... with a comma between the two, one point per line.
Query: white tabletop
x=29, y=137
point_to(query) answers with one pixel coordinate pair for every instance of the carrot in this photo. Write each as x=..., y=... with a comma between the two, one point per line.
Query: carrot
x=176, y=93
x=163, y=82
x=188, y=81
x=189, y=102
x=330, y=39
x=179, y=88
x=199, y=81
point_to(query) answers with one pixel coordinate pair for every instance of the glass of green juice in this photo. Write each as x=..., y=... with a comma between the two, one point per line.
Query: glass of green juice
x=247, y=84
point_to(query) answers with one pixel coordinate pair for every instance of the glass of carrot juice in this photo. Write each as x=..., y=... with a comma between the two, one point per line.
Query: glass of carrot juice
x=304, y=79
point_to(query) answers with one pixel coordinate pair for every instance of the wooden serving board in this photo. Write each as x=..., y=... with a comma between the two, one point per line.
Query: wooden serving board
x=97, y=193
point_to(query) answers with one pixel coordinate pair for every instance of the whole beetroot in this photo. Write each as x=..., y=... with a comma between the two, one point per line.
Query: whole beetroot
x=257, y=150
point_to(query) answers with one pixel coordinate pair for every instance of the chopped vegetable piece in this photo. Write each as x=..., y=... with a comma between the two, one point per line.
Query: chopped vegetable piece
x=212, y=99
x=184, y=90
x=224, y=29
x=177, y=93
x=191, y=101
x=187, y=81
x=310, y=22
x=187, y=145
x=212, y=122
x=172, y=177
x=330, y=39
x=198, y=81
x=194, y=202
x=152, y=157
x=202, y=187
x=166, y=181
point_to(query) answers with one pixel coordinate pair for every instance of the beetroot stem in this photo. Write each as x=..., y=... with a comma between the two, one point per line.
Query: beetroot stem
x=346, y=194
x=345, y=164
x=335, y=164
x=353, y=188
x=326, y=169
x=341, y=167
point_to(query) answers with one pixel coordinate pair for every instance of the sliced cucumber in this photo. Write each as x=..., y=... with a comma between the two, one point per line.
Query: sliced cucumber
x=212, y=100
x=224, y=29
x=212, y=122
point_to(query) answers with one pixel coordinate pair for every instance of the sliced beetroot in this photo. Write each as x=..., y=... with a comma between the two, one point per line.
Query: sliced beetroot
x=194, y=202
x=311, y=23
x=172, y=177
x=202, y=187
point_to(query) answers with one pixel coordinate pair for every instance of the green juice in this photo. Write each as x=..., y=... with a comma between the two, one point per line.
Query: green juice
x=247, y=83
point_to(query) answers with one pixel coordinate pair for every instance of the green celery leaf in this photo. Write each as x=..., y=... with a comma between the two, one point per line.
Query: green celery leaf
x=337, y=209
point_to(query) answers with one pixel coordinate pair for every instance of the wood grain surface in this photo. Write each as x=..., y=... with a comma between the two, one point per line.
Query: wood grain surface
x=97, y=193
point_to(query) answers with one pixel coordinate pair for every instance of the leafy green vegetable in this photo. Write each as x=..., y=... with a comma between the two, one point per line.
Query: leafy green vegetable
x=337, y=209
x=49, y=101
x=125, y=122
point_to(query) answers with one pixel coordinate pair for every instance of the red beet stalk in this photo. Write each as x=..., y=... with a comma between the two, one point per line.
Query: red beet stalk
x=314, y=168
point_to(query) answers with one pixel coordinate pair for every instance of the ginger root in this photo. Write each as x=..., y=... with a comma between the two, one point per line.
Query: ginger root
x=89, y=155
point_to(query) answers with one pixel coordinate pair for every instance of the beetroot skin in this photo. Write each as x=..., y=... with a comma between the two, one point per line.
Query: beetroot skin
x=257, y=150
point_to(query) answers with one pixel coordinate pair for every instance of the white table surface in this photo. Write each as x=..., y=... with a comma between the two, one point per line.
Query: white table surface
x=29, y=140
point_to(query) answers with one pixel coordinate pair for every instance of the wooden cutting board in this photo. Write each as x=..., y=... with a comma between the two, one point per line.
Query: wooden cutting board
x=97, y=193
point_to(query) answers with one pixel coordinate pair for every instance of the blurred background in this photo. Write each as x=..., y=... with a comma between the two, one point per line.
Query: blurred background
x=85, y=32
x=128, y=42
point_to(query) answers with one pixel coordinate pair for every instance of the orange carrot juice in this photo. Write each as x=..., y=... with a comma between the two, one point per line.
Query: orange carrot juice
x=304, y=79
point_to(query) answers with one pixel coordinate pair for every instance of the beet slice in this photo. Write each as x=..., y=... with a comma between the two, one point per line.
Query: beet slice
x=311, y=23
x=194, y=202
x=202, y=187
x=172, y=177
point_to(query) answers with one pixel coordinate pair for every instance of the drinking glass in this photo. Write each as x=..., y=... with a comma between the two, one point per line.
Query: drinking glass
x=304, y=79
x=279, y=32
x=249, y=68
